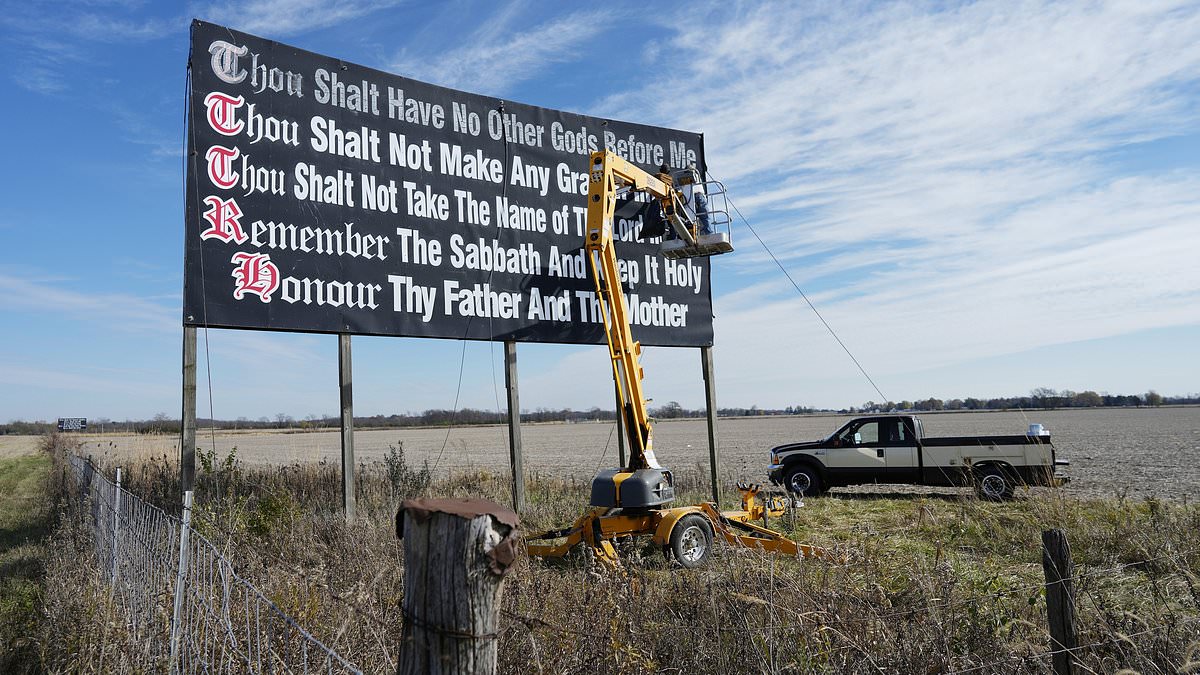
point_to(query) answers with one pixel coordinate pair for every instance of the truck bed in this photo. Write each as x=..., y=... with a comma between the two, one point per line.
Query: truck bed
x=944, y=441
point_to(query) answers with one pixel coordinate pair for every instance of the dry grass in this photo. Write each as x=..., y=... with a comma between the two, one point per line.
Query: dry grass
x=12, y=447
x=928, y=584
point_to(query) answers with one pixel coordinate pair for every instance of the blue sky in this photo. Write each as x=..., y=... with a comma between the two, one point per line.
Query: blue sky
x=982, y=198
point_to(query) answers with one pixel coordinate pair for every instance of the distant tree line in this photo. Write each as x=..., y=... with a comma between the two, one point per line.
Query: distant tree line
x=1042, y=398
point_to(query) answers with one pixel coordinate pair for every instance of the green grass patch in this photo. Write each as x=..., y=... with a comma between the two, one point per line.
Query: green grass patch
x=26, y=519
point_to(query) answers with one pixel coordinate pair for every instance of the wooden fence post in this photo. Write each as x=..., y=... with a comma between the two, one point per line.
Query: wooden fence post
x=456, y=552
x=187, y=430
x=1060, y=599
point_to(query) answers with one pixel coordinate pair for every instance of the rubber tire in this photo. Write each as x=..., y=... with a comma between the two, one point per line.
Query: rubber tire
x=993, y=484
x=802, y=471
x=683, y=541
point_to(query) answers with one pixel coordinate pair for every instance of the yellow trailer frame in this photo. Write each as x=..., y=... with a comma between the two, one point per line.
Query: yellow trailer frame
x=598, y=528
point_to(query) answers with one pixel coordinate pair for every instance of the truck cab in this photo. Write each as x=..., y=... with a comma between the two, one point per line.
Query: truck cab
x=877, y=447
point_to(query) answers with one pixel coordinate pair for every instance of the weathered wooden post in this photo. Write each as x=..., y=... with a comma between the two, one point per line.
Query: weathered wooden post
x=346, y=389
x=456, y=552
x=187, y=427
x=1060, y=599
x=515, y=453
x=710, y=405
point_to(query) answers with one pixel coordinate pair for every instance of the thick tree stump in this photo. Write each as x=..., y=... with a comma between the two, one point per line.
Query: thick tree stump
x=456, y=552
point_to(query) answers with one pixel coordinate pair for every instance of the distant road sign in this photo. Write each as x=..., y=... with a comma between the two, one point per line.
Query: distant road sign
x=72, y=424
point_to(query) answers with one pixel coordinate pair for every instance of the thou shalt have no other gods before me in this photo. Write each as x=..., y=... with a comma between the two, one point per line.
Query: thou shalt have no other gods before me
x=328, y=197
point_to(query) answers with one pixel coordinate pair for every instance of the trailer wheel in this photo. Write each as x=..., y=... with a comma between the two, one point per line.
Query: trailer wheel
x=804, y=480
x=993, y=484
x=691, y=540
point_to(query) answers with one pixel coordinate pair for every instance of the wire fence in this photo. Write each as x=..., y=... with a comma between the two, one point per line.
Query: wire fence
x=185, y=608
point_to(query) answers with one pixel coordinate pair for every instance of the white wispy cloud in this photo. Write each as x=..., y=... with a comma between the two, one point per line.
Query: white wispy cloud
x=35, y=294
x=32, y=293
x=110, y=29
x=57, y=378
x=144, y=128
x=144, y=333
x=42, y=61
x=53, y=41
x=946, y=170
x=501, y=52
x=49, y=45
x=40, y=80
x=289, y=17
x=86, y=21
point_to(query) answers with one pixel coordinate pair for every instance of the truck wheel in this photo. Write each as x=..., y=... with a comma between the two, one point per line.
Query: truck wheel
x=992, y=484
x=691, y=540
x=804, y=480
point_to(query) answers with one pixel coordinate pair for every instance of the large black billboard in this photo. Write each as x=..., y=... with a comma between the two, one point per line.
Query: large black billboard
x=323, y=196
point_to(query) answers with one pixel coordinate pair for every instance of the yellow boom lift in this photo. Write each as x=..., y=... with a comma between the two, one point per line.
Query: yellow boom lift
x=634, y=500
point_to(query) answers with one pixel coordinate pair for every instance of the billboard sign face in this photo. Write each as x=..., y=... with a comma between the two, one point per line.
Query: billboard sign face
x=72, y=424
x=324, y=196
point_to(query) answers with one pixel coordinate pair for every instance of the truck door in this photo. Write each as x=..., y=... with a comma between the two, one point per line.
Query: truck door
x=858, y=457
x=899, y=450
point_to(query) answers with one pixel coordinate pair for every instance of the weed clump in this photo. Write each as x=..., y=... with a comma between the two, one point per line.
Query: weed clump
x=405, y=480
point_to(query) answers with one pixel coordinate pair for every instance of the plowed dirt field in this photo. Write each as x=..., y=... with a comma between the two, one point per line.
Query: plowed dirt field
x=1139, y=452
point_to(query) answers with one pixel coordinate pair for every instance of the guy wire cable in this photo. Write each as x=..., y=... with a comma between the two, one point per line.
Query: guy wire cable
x=467, y=331
x=491, y=331
x=189, y=151
x=803, y=295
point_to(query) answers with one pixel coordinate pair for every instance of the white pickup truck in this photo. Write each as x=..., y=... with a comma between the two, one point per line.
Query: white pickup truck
x=894, y=449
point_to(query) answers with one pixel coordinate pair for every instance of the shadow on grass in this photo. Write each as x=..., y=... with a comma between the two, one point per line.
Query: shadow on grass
x=907, y=496
x=36, y=529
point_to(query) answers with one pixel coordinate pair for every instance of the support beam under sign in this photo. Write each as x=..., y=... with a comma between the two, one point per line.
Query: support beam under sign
x=187, y=437
x=710, y=402
x=345, y=385
x=514, y=426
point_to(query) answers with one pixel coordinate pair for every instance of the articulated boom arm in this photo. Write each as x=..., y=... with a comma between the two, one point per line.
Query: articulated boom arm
x=609, y=173
x=633, y=500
